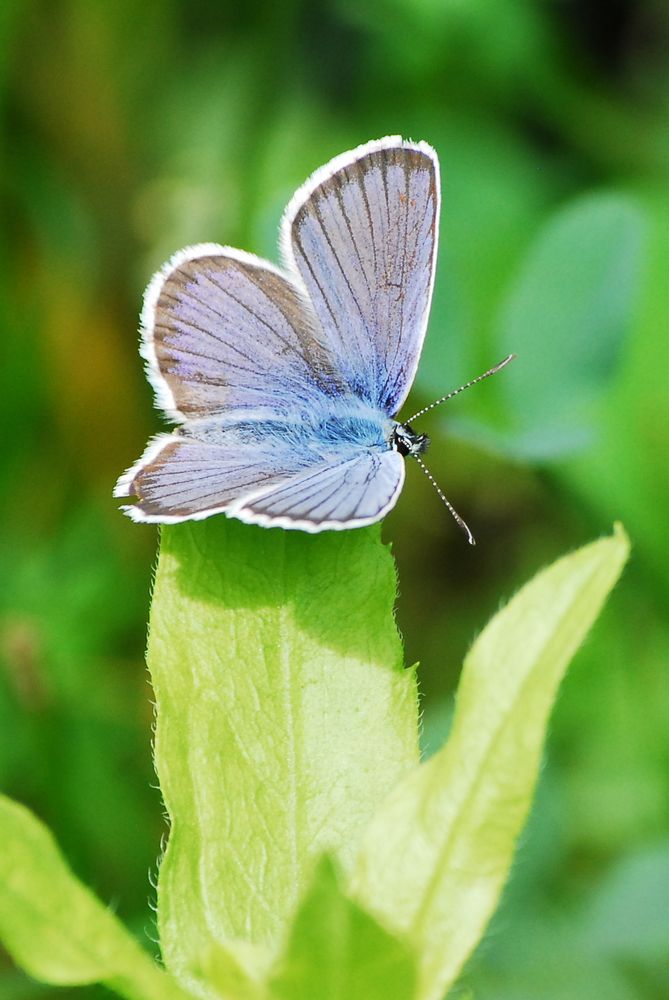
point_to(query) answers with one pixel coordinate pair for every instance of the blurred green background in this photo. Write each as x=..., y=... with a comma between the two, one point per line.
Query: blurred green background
x=132, y=129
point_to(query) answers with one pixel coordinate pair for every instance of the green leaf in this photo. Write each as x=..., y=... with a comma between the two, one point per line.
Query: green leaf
x=284, y=716
x=566, y=318
x=438, y=851
x=337, y=952
x=483, y=233
x=625, y=476
x=224, y=973
x=627, y=916
x=55, y=928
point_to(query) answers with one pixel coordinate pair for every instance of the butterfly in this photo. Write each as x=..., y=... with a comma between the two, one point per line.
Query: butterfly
x=285, y=383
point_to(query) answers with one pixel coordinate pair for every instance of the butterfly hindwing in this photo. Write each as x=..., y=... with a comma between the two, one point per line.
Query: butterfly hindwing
x=181, y=477
x=352, y=493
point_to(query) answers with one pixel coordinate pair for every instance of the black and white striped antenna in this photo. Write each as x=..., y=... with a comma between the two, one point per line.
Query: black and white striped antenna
x=447, y=503
x=467, y=385
x=459, y=520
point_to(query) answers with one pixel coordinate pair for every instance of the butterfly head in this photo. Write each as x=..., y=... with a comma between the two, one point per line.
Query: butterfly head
x=405, y=440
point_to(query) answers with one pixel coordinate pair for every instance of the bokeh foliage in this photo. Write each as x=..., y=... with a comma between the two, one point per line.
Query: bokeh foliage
x=133, y=129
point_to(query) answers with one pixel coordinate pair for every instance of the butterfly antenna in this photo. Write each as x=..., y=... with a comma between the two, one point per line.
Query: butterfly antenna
x=479, y=378
x=447, y=503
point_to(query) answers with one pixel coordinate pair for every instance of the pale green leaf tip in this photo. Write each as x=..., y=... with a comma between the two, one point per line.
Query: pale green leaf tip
x=55, y=928
x=621, y=535
x=451, y=820
x=336, y=948
x=620, y=540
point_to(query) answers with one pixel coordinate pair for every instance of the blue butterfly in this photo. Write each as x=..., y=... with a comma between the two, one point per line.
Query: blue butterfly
x=285, y=383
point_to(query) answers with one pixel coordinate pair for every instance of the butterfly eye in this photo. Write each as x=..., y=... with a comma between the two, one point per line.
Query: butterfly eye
x=421, y=444
x=405, y=440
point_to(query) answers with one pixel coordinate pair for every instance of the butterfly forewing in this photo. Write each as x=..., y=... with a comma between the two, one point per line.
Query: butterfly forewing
x=225, y=331
x=363, y=239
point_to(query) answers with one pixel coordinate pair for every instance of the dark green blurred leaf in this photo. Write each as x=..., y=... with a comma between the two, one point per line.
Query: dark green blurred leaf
x=628, y=916
x=628, y=471
x=73, y=712
x=10, y=11
x=493, y=197
x=566, y=318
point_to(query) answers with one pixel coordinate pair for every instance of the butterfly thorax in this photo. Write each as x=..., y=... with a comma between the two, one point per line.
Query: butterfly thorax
x=318, y=434
x=405, y=440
